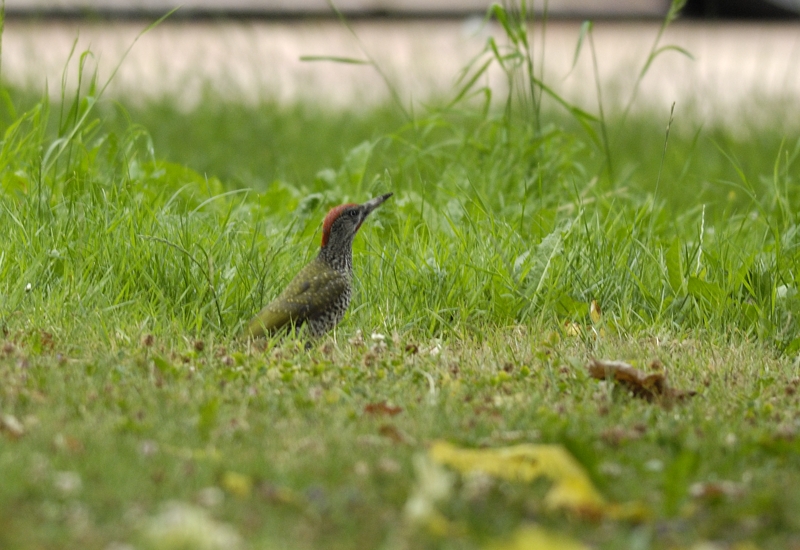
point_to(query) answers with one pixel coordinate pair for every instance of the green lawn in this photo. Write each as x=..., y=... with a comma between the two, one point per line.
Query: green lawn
x=137, y=242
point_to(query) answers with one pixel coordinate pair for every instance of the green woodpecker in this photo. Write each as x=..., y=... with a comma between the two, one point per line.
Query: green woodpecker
x=319, y=294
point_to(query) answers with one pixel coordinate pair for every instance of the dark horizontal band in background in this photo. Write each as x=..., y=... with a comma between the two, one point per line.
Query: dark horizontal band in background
x=287, y=9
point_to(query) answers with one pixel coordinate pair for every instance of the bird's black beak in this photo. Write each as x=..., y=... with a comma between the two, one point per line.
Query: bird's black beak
x=371, y=205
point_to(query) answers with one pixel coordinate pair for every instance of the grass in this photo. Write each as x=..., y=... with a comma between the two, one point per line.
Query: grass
x=135, y=249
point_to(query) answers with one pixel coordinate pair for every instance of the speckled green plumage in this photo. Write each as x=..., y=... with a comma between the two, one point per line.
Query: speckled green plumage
x=319, y=295
x=314, y=291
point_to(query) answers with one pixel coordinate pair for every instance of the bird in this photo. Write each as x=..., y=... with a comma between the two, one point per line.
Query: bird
x=320, y=293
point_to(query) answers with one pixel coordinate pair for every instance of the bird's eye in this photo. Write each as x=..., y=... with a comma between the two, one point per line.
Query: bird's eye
x=353, y=213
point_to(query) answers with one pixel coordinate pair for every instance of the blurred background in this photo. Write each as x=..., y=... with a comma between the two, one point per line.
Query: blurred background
x=729, y=56
x=452, y=8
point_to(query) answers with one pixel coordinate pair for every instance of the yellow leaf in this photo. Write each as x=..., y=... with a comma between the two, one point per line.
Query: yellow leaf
x=534, y=537
x=187, y=453
x=572, y=489
x=595, y=312
x=440, y=526
x=705, y=545
x=237, y=484
x=572, y=329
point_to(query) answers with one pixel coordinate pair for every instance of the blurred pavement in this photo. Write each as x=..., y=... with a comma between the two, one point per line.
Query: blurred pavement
x=735, y=66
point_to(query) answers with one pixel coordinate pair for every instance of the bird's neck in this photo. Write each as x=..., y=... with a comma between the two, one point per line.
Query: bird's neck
x=339, y=257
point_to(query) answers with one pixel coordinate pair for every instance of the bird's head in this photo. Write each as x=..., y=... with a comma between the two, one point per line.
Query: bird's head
x=343, y=221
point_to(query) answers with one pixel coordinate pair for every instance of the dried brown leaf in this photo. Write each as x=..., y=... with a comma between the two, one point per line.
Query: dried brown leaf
x=395, y=434
x=67, y=443
x=47, y=340
x=716, y=490
x=652, y=386
x=382, y=409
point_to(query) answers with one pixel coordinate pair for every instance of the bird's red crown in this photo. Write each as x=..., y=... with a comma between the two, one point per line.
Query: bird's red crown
x=334, y=213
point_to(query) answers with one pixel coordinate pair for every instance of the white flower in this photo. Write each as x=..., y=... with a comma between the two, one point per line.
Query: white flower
x=182, y=526
x=433, y=485
x=67, y=482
